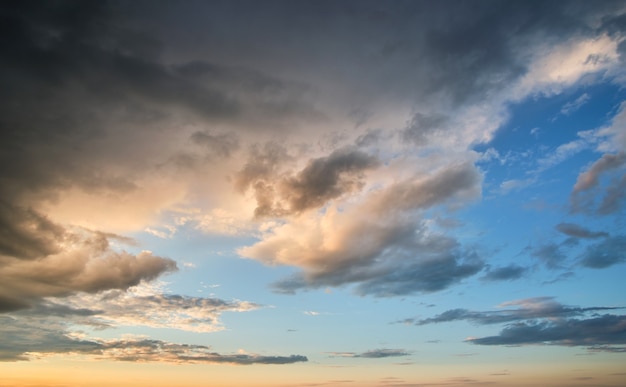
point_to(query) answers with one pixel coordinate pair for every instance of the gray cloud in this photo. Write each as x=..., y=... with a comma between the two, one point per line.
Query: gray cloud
x=401, y=264
x=423, y=277
x=384, y=248
x=527, y=309
x=577, y=231
x=461, y=181
x=221, y=144
x=505, y=273
x=549, y=254
x=614, y=197
x=602, y=333
x=321, y=180
x=326, y=178
x=25, y=340
x=42, y=259
x=374, y=354
x=263, y=164
x=464, y=51
x=27, y=234
x=543, y=321
x=609, y=252
x=422, y=126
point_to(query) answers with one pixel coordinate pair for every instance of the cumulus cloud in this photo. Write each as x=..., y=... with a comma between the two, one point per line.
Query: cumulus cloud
x=322, y=179
x=45, y=259
x=112, y=122
x=379, y=243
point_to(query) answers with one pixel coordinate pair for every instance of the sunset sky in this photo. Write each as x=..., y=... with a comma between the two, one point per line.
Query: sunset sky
x=312, y=193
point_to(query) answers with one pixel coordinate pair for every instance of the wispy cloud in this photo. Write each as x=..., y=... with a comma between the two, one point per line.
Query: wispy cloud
x=26, y=341
x=505, y=273
x=576, y=104
x=139, y=306
x=527, y=309
x=608, y=252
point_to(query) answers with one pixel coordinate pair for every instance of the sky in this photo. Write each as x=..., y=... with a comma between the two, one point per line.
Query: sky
x=312, y=193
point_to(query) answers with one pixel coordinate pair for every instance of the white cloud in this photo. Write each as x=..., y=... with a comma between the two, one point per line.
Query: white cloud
x=572, y=106
x=554, y=68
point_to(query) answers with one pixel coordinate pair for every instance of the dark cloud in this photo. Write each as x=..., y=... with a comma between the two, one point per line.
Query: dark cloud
x=86, y=85
x=21, y=339
x=42, y=259
x=528, y=309
x=423, y=277
x=321, y=180
x=24, y=340
x=27, y=234
x=609, y=252
x=544, y=321
x=577, y=231
x=605, y=332
x=405, y=264
x=327, y=178
x=506, y=273
x=385, y=41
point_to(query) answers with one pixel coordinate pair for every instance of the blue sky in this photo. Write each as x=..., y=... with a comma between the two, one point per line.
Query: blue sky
x=304, y=193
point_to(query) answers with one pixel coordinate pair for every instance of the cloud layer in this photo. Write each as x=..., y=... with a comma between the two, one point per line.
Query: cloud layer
x=543, y=321
x=26, y=341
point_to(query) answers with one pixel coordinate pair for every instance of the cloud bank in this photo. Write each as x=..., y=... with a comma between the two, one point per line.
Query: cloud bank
x=543, y=321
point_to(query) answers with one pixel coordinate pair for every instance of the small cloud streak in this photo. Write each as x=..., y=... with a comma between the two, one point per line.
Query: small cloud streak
x=505, y=273
x=574, y=105
x=577, y=231
x=373, y=354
